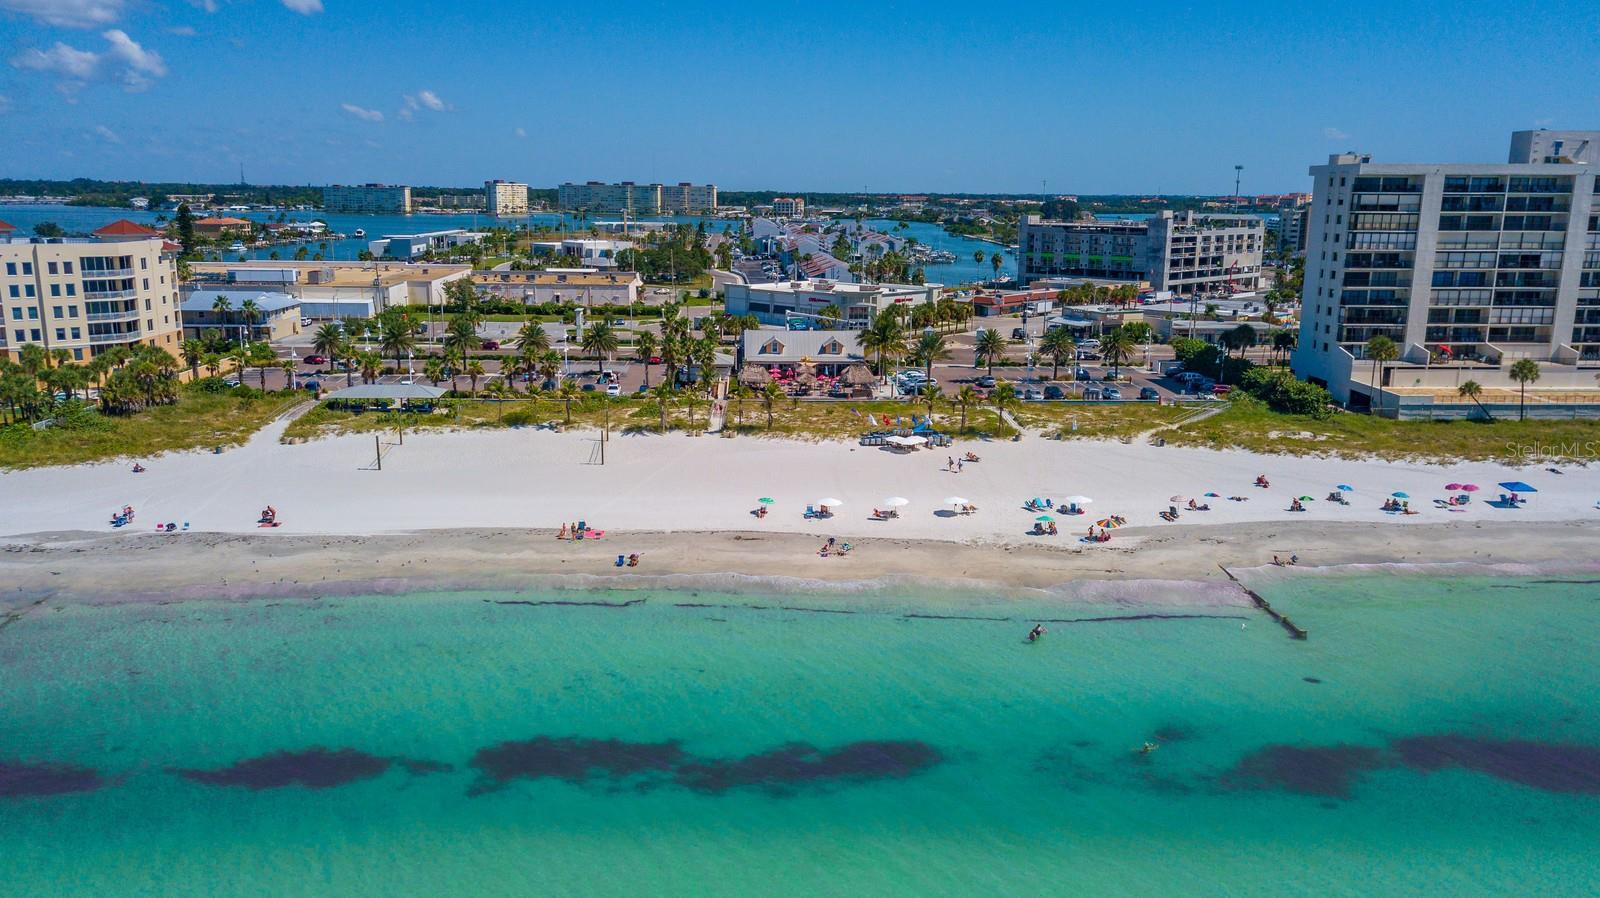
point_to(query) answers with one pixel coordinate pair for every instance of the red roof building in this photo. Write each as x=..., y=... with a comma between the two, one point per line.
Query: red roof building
x=123, y=229
x=7, y=228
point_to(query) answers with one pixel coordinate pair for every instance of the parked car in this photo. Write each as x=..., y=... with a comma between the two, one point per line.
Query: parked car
x=588, y=388
x=1190, y=377
x=1148, y=393
x=655, y=360
x=1089, y=343
x=316, y=360
x=1111, y=393
x=613, y=389
x=1082, y=374
x=304, y=321
x=1221, y=389
x=1088, y=355
x=619, y=322
x=986, y=382
x=1033, y=394
x=1019, y=333
x=1054, y=392
x=1109, y=377
x=490, y=344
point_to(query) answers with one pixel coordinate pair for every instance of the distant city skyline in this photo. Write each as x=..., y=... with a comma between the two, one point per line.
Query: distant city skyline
x=821, y=97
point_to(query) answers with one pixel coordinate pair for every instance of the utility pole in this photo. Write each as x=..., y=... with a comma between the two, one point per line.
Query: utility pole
x=1238, y=172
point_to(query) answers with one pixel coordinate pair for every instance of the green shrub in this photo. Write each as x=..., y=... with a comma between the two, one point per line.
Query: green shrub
x=522, y=417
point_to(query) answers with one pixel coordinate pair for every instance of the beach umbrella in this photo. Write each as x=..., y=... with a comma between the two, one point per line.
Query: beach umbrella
x=1469, y=487
x=1398, y=495
x=897, y=502
x=1452, y=486
x=955, y=500
x=1111, y=523
x=1213, y=495
x=830, y=502
x=1346, y=488
x=1307, y=499
x=1517, y=486
x=766, y=500
x=1044, y=518
x=1175, y=498
x=1077, y=500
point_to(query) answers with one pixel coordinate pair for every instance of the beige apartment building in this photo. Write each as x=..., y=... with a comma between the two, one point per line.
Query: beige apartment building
x=505, y=197
x=118, y=287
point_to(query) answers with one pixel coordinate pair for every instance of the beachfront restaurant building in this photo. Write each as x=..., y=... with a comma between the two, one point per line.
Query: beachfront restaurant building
x=584, y=286
x=830, y=352
x=332, y=290
x=856, y=304
x=276, y=314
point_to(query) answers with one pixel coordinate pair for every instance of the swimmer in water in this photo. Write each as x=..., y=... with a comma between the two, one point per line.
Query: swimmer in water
x=1036, y=632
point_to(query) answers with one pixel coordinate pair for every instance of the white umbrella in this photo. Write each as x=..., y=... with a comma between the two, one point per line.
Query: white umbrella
x=1077, y=500
x=897, y=502
x=955, y=500
x=830, y=502
x=906, y=441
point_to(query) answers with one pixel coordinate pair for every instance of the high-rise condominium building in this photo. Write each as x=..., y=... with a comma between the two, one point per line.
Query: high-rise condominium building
x=1184, y=252
x=789, y=207
x=684, y=198
x=505, y=198
x=367, y=199
x=1466, y=268
x=595, y=196
x=86, y=295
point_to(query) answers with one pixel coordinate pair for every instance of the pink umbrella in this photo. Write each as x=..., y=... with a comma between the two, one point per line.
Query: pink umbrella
x=1452, y=486
x=1469, y=487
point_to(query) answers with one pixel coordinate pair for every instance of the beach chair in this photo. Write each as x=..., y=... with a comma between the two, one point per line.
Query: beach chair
x=810, y=512
x=621, y=561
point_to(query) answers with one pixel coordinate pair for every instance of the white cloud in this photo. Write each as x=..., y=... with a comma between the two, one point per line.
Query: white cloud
x=67, y=13
x=431, y=100
x=124, y=61
x=182, y=31
x=107, y=134
x=1333, y=133
x=141, y=65
x=521, y=132
x=5, y=104
x=207, y=5
x=304, y=7
x=68, y=62
x=366, y=115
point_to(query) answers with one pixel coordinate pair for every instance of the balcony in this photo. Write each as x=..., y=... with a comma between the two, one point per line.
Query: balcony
x=109, y=294
x=123, y=337
x=124, y=315
x=101, y=273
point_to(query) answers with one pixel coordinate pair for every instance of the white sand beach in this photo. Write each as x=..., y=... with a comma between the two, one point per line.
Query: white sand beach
x=539, y=479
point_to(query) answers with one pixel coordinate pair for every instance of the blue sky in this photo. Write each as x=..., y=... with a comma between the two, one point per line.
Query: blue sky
x=996, y=96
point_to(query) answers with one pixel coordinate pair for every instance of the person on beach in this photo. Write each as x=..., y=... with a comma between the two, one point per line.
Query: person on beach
x=1036, y=632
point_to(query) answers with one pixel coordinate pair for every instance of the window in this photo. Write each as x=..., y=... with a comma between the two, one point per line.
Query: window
x=11, y=269
x=16, y=312
x=72, y=311
x=33, y=313
x=77, y=353
x=72, y=289
x=27, y=289
x=33, y=334
x=56, y=311
x=143, y=264
x=147, y=283
x=77, y=334
x=18, y=333
x=61, y=334
x=51, y=267
x=27, y=268
x=55, y=289
x=66, y=267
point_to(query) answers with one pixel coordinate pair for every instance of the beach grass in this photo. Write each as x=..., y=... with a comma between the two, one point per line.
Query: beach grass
x=1249, y=424
x=197, y=420
x=840, y=420
x=1096, y=421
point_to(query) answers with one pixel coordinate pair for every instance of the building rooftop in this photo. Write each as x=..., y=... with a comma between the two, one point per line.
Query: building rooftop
x=344, y=274
x=767, y=347
x=839, y=287
x=202, y=300
x=223, y=222
x=125, y=228
x=6, y=228
x=587, y=278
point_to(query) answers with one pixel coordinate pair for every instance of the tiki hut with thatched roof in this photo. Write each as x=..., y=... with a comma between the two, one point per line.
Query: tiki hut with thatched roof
x=859, y=378
x=754, y=376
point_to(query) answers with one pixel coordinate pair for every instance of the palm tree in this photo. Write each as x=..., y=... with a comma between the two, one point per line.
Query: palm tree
x=223, y=306
x=931, y=393
x=1283, y=343
x=929, y=348
x=1472, y=390
x=262, y=357
x=371, y=365
x=567, y=392
x=550, y=365
x=351, y=355
x=977, y=256
x=644, y=345
x=885, y=336
x=1239, y=338
x=995, y=262
x=473, y=370
x=327, y=339
x=532, y=336
x=599, y=340
x=1524, y=372
x=1382, y=351
x=193, y=350
x=965, y=398
x=1116, y=348
x=396, y=339
x=1058, y=345
x=433, y=370
x=1004, y=394
x=212, y=362
x=460, y=337
x=771, y=393
x=249, y=311
x=830, y=312
x=662, y=394
x=991, y=344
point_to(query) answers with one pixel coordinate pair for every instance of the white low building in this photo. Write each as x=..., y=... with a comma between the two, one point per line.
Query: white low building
x=584, y=286
x=410, y=246
x=856, y=304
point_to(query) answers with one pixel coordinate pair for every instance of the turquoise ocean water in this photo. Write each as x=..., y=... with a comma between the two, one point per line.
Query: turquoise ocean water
x=1433, y=737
